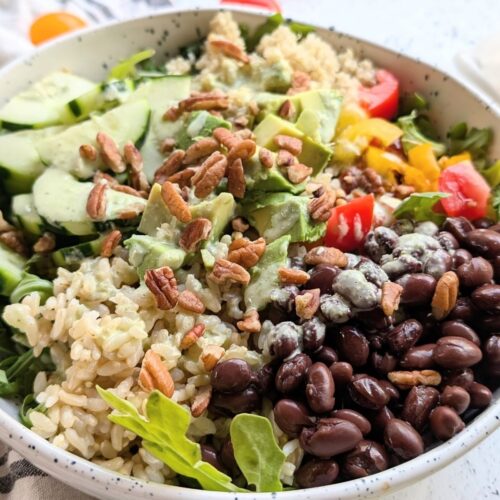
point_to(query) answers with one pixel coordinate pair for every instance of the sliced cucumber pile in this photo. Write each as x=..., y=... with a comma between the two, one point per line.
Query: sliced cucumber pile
x=25, y=215
x=71, y=257
x=11, y=270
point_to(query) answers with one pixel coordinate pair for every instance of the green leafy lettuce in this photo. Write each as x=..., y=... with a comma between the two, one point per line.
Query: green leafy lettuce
x=474, y=140
x=419, y=207
x=414, y=129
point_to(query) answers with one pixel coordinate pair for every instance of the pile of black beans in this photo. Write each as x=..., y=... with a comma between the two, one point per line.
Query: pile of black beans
x=330, y=381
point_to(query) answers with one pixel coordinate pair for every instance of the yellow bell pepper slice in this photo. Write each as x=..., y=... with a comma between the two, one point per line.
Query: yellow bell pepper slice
x=422, y=158
x=416, y=178
x=373, y=128
x=384, y=163
x=448, y=161
x=349, y=115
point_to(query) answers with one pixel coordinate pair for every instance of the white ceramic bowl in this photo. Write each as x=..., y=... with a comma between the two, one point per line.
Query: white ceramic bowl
x=90, y=53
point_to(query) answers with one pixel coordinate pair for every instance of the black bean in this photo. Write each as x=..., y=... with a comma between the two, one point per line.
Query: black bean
x=462, y=377
x=231, y=376
x=463, y=310
x=418, y=357
x=353, y=346
x=458, y=227
x=492, y=352
x=208, y=454
x=418, y=405
x=369, y=457
x=455, y=397
x=487, y=298
x=447, y=240
x=480, y=395
x=242, y=402
x=330, y=437
x=313, y=334
x=374, y=320
x=445, y=423
x=383, y=363
x=461, y=257
x=341, y=373
x=403, y=226
x=483, y=223
x=496, y=266
x=355, y=417
x=367, y=392
x=283, y=346
x=380, y=418
x=404, y=336
x=390, y=389
x=438, y=263
x=484, y=241
x=317, y=473
x=403, y=439
x=376, y=342
x=489, y=324
x=320, y=388
x=285, y=300
x=380, y=241
x=326, y=355
x=457, y=328
x=263, y=379
x=418, y=289
x=292, y=373
x=227, y=456
x=291, y=416
x=495, y=227
x=476, y=272
x=456, y=352
x=322, y=276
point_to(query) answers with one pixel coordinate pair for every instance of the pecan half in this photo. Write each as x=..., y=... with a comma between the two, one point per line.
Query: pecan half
x=266, y=157
x=292, y=276
x=100, y=176
x=163, y=285
x=210, y=355
x=230, y=49
x=298, y=173
x=110, y=153
x=292, y=144
x=194, y=233
x=172, y=114
x=307, y=303
x=245, y=252
x=46, y=243
x=122, y=188
x=236, y=183
x=325, y=255
x=391, y=294
x=408, y=379
x=300, y=82
x=167, y=145
x=201, y=401
x=96, y=202
x=239, y=224
x=183, y=178
x=88, y=152
x=226, y=271
x=287, y=110
x=111, y=241
x=250, y=322
x=210, y=174
x=190, y=302
x=170, y=166
x=445, y=295
x=155, y=375
x=192, y=336
x=175, y=202
x=205, y=101
x=285, y=158
x=133, y=157
x=402, y=191
x=225, y=137
x=14, y=239
x=243, y=150
x=199, y=149
x=320, y=208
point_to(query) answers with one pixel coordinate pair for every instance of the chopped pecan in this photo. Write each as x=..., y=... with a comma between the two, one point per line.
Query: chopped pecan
x=163, y=285
x=402, y=191
x=170, y=166
x=244, y=149
x=285, y=158
x=46, y=243
x=190, y=302
x=111, y=241
x=225, y=270
x=96, y=202
x=210, y=355
x=199, y=149
x=239, y=224
x=230, y=49
x=287, y=110
x=244, y=133
x=245, y=252
x=88, y=152
x=225, y=137
x=129, y=214
x=408, y=379
x=240, y=121
x=172, y=114
x=391, y=294
x=325, y=255
x=366, y=179
x=298, y=173
x=14, y=239
x=139, y=182
x=100, y=176
x=210, y=174
x=133, y=157
x=250, y=322
x=155, y=375
x=266, y=158
x=201, y=401
x=194, y=233
x=445, y=295
x=175, y=202
x=205, y=101
x=110, y=153
x=122, y=188
x=306, y=304
x=300, y=82
x=320, y=208
x=183, y=178
x=292, y=144
x=290, y=276
x=236, y=183
x=167, y=145
x=192, y=336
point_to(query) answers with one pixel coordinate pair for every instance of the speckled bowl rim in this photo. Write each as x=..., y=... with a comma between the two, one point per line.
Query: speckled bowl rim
x=94, y=479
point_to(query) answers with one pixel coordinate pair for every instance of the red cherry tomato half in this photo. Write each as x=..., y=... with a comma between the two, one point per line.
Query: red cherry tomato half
x=382, y=99
x=350, y=223
x=468, y=189
x=271, y=5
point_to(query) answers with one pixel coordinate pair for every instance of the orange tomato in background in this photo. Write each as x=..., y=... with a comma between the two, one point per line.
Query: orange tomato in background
x=54, y=24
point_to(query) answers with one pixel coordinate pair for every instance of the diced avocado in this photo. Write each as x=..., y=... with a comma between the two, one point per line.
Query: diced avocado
x=72, y=257
x=271, y=103
x=278, y=214
x=11, y=270
x=155, y=214
x=199, y=124
x=314, y=154
x=146, y=252
x=25, y=214
x=276, y=77
x=264, y=275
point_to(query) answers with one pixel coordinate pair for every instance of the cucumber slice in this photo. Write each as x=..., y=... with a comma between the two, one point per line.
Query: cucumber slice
x=45, y=102
x=11, y=270
x=20, y=163
x=25, y=214
x=128, y=122
x=72, y=257
x=61, y=201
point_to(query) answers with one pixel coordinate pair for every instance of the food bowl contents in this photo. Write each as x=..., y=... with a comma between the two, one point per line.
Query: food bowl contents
x=250, y=268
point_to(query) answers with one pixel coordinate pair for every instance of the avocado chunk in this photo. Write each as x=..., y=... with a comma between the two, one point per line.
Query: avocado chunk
x=277, y=214
x=276, y=77
x=156, y=212
x=146, y=252
x=314, y=154
x=264, y=275
x=199, y=124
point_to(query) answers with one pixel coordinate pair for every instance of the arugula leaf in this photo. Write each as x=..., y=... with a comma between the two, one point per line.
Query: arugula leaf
x=413, y=135
x=419, y=206
x=476, y=141
x=256, y=452
x=164, y=436
x=127, y=68
x=492, y=174
x=495, y=201
x=413, y=101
